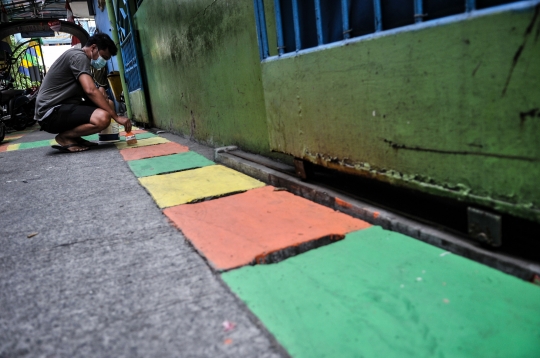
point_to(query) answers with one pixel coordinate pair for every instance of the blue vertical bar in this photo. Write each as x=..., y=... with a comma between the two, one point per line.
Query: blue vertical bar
x=345, y=19
x=418, y=11
x=258, y=28
x=470, y=5
x=296, y=19
x=264, y=36
x=318, y=19
x=135, y=41
x=279, y=27
x=378, y=15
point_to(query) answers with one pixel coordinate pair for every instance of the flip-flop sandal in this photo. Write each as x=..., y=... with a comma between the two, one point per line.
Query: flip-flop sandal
x=86, y=143
x=65, y=148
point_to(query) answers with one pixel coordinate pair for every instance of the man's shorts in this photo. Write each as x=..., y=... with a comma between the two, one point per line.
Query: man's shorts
x=67, y=116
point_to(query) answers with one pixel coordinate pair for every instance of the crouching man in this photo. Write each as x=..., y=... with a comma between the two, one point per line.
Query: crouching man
x=60, y=108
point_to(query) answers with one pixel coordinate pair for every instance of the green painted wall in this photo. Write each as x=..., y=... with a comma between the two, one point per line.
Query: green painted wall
x=201, y=60
x=452, y=110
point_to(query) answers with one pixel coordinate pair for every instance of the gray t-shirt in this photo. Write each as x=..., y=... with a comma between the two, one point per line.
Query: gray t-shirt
x=61, y=83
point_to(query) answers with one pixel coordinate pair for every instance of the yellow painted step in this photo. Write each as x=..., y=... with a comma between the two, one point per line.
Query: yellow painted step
x=191, y=185
x=142, y=143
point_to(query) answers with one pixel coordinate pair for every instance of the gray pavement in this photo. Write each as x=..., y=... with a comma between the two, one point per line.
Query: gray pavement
x=106, y=275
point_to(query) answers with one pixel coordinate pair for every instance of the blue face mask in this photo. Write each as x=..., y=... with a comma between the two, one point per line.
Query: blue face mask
x=99, y=63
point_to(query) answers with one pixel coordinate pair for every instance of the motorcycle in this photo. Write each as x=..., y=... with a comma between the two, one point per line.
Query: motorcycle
x=16, y=107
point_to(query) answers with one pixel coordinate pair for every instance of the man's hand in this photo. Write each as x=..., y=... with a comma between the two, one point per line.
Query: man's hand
x=125, y=122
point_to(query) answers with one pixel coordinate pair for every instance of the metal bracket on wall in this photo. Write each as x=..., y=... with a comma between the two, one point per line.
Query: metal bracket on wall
x=484, y=226
x=224, y=150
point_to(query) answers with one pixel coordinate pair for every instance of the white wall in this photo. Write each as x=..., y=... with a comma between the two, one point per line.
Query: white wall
x=51, y=53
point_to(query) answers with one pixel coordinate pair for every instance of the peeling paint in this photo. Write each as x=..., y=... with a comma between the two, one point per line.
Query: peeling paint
x=342, y=203
x=459, y=191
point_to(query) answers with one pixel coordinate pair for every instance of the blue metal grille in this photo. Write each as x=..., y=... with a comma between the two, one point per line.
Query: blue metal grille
x=131, y=69
x=303, y=24
x=128, y=47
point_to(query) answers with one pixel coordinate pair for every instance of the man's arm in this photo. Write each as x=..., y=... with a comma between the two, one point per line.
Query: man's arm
x=99, y=100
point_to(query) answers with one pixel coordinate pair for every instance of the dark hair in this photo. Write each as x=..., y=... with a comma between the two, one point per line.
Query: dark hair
x=103, y=42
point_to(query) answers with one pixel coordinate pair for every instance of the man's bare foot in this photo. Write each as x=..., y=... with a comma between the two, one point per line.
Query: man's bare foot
x=85, y=143
x=68, y=145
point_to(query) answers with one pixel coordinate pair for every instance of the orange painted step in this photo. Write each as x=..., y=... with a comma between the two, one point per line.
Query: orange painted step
x=258, y=226
x=153, y=151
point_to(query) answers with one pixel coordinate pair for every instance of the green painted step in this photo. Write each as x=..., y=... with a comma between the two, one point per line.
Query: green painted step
x=381, y=294
x=138, y=136
x=168, y=164
x=37, y=144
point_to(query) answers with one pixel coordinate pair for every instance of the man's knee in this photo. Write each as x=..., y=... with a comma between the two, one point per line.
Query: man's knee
x=100, y=119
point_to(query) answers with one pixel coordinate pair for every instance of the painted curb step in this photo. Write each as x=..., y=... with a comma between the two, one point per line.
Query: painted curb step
x=377, y=293
x=282, y=176
x=259, y=226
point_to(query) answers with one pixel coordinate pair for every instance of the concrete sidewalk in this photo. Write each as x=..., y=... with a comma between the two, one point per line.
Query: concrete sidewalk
x=90, y=266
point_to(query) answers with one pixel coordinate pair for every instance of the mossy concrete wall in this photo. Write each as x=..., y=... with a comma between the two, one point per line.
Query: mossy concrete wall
x=202, y=64
x=452, y=110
